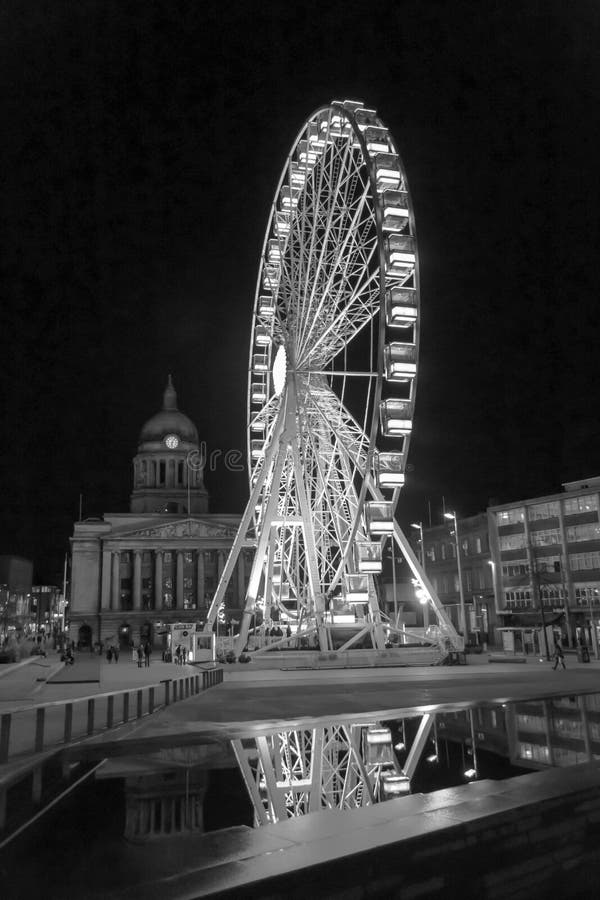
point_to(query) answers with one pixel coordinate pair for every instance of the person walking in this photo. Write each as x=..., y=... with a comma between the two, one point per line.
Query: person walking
x=140, y=656
x=115, y=651
x=109, y=654
x=559, y=656
x=147, y=651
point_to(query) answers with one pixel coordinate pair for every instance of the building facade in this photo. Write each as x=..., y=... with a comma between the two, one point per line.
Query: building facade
x=546, y=554
x=441, y=565
x=134, y=574
x=16, y=574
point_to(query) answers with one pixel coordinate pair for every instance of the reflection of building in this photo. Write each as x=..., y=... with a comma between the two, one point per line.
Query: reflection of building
x=134, y=573
x=557, y=731
x=16, y=574
x=442, y=570
x=547, y=551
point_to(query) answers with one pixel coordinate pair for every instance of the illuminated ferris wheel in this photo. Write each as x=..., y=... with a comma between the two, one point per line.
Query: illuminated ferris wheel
x=331, y=390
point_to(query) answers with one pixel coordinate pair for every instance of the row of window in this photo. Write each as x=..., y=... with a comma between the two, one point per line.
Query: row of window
x=189, y=600
x=165, y=473
x=548, y=510
x=474, y=580
x=579, y=561
x=587, y=532
x=521, y=566
x=550, y=536
x=554, y=594
x=469, y=546
x=168, y=556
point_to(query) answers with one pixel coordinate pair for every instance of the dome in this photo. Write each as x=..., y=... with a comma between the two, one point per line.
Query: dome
x=169, y=421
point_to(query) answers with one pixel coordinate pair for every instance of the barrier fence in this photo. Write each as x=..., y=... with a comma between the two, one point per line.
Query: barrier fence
x=45, y=726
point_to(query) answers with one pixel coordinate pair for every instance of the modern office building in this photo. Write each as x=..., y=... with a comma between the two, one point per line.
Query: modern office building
x=135, y=573
x=546, y=554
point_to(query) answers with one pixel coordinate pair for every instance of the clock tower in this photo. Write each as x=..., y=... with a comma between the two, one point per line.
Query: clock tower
x=168, y=470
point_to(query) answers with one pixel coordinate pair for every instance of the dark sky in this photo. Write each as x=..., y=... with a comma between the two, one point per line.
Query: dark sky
x=140, y=150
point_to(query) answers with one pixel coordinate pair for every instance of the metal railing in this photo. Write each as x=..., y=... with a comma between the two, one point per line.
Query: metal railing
x=33, y=729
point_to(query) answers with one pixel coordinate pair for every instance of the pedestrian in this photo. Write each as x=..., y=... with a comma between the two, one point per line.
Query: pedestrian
x=115, y=651
x=140, y=656
x=109, y=654
x=178, y=655
x=559, y=656
x=147, y=651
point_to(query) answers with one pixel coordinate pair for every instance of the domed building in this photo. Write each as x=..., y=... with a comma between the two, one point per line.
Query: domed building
x=136, y=573
x=167, y=471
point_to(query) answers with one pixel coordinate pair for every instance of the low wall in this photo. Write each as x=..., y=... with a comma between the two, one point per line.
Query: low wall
x=534, y=836
x=332, y=659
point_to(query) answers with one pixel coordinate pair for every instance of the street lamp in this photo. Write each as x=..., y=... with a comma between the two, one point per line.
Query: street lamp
x=463, y=612
x=419, y=528
x=395, y=597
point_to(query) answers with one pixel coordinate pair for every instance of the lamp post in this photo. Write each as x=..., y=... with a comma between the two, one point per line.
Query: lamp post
x=535, y=578
x=419, y=528
x=463, y=611
x=394, y=585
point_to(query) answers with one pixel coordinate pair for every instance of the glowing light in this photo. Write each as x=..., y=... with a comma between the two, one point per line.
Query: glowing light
x=395, y=417
x=279, y=370
x=395, y=785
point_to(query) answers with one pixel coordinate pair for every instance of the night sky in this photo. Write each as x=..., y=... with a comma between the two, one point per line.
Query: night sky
x=140, y=149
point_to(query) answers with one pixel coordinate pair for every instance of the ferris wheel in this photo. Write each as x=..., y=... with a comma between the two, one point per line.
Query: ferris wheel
x=331, y=388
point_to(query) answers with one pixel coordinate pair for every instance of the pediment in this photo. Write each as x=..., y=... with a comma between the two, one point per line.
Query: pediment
x=189, y=528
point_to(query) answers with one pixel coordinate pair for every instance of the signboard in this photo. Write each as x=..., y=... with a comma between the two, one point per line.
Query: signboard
x=508, y=641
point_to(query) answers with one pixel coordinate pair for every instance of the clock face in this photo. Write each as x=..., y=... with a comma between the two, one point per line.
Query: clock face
x=172, y=441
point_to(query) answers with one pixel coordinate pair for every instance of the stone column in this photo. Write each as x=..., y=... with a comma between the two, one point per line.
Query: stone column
x=158, y=579
x=179, y=586
x=240, y=580
x=137, y=579
x=200, y=578
x=106, y=580
x=115, y=593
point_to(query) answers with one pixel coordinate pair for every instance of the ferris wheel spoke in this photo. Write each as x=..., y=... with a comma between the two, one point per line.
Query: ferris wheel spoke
x=362, y=306
x=325, y=208
x=345, y=253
